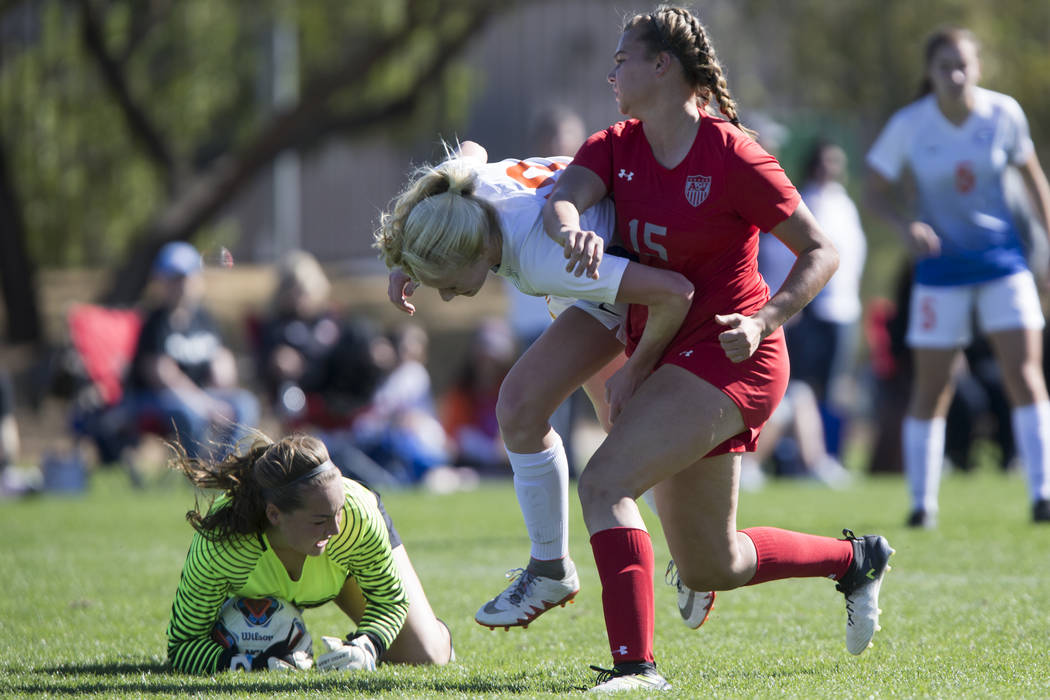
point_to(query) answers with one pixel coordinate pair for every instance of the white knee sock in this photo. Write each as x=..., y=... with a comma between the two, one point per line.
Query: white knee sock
x=923, y=452
x=541, y=481
x=1031, y=425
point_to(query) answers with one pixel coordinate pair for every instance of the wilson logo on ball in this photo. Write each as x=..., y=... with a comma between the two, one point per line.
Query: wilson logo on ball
x=251, y=625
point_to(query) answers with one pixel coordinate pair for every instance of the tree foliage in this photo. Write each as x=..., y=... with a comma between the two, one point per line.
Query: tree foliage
x=128, y=123
x=859, y=61
x=131, y=123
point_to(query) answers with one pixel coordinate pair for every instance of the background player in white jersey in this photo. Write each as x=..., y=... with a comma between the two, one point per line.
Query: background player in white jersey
x=957, y=140
x=454, y=223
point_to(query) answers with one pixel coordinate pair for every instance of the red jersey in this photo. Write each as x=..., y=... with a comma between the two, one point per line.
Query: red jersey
x=702, y=219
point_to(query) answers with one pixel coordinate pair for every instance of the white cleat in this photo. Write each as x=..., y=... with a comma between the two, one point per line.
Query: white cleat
x=861, y=586
x=526, y=598
x=693, y=606
x=628, y=677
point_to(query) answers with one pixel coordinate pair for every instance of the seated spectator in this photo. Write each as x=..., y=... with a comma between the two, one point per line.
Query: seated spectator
x=400, y=429
x=468, y=409
x=407, y=387
x=12, y=481
x=320, y=369
x=181, y=371
x=298, y=335
x=793, y=444
x=9, y=442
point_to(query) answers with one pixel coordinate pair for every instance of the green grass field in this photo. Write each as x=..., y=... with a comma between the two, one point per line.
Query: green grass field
x=88, y=580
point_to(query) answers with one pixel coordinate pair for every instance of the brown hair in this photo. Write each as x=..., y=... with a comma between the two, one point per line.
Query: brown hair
x=267, y=472
x=678, y=31
x=941, y=37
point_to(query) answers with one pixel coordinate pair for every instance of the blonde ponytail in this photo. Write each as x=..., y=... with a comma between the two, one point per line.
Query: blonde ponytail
x=437, y=222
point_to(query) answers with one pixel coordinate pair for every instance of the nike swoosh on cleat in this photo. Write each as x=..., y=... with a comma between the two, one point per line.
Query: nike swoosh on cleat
x=871, y=574
x=687, y=609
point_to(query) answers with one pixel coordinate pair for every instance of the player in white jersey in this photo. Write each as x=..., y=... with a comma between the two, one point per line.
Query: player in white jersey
x=451, y=226
x=957, y=140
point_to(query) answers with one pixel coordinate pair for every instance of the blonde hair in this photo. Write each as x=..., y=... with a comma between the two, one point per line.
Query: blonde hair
x=437, y=222
x=678, y=31
x=301, y=270
x=267, y=472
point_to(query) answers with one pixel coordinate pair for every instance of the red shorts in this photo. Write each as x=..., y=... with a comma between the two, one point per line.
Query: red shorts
x=755, y=385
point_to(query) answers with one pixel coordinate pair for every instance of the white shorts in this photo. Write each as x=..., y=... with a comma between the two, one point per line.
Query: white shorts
x=609, y=315
x=940, y=317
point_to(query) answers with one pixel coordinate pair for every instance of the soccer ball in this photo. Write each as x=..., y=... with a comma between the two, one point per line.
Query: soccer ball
x=252, y=625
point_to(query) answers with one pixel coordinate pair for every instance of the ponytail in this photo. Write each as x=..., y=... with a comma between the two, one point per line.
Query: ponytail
x=267, y=472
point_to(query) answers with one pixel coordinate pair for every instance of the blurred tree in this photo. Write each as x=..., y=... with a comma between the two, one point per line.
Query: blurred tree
x=130, y=123
x=840, y=69
x=860, y=61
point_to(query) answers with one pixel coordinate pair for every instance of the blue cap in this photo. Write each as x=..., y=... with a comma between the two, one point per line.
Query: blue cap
x=177, y=259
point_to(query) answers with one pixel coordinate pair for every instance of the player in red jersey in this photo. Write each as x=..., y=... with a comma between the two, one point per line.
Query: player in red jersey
x=692, y=192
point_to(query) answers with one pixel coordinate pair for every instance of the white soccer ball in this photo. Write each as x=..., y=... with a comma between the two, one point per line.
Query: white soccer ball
x=252, y=625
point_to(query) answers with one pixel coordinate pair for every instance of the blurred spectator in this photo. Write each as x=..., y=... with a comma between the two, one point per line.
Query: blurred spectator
x=468, y=409
x=822, y=343
x=12, y=481
x=182, y=372
x=891, y=368
x=299, y=334
x=407, y=387
x=794, y=438
x=319, y=369
x=400, y=429
x=556, y=131
x=9, y=442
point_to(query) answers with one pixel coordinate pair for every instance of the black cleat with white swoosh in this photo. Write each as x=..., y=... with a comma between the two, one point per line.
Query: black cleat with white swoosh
x=860, y=585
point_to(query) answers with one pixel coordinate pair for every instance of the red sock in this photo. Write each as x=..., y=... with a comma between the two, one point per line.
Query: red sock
x=787, y=554
x=624, y=557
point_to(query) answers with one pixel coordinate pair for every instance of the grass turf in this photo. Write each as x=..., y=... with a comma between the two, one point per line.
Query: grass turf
x=88, y=581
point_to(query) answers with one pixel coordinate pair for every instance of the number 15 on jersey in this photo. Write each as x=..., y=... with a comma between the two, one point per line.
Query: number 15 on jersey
x=648, y=245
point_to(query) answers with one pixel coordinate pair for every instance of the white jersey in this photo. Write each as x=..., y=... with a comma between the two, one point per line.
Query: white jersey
x=532, y=261
x=839, y=300
x=959, y=174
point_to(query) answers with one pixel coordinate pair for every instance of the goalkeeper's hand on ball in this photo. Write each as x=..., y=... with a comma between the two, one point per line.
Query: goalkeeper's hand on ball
x=357, y=654
x=277, y=657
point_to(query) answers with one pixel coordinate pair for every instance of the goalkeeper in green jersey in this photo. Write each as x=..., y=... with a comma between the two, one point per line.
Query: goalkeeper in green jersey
x=289, y=525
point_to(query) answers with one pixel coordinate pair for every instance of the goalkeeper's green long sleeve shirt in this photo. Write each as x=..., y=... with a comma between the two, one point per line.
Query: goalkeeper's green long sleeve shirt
x=246, y=566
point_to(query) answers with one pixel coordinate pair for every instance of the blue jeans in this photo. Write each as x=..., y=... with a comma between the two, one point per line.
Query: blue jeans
x=195, y=432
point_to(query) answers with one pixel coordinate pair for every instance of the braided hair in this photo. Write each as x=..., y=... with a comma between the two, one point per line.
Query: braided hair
x=267, y=472
x=678, y=31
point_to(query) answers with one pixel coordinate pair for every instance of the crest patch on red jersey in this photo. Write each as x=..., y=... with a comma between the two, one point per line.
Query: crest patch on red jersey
x=696, y=189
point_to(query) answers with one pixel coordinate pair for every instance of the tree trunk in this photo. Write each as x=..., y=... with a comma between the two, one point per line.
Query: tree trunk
x=301, y=126
x=17, y=278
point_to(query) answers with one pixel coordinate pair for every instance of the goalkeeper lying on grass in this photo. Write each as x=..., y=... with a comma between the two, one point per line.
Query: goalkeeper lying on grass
x=290, y=525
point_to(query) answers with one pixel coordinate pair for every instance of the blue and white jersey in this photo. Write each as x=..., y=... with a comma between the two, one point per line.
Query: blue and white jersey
x=532, y=261
x=958, y=171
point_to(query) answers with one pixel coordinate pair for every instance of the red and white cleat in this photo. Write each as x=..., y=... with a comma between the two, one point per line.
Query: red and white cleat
x=526, y=598
x=693, y=606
